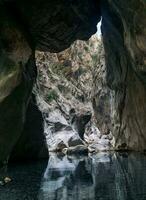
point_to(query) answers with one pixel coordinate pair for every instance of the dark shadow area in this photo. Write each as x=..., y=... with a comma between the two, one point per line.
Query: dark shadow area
x=26, y=179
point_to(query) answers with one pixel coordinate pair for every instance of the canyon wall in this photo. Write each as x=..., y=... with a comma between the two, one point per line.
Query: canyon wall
x=124, y=37
x=67, y=85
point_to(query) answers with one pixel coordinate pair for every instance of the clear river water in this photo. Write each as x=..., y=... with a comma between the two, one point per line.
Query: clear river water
x=104, y=176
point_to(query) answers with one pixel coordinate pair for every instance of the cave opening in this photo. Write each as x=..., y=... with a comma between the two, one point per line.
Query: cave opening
x=72, y=94
x=88, y=98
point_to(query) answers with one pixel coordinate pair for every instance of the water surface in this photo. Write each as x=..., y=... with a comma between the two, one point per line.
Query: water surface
x=104, y=176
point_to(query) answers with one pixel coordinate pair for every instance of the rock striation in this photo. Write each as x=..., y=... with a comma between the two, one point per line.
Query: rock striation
x=67, y=85
x=124, y=37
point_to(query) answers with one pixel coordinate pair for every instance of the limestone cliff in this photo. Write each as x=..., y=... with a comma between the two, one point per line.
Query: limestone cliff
x=65, y=94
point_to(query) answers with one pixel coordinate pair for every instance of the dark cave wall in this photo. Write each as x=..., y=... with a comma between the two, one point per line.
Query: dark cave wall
x=31, y=145
x=52, y=25
x=16, y=79
x=124, y=37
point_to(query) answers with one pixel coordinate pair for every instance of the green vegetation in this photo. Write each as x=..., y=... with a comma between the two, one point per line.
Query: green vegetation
x=52, y=95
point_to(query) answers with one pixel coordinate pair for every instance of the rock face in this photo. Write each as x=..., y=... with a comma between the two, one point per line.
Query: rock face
x=32, y=142
x=124, y=34
x=53, y=25
x=65, y=93
x=101, y=93
x=17, y=75
x=64, y=86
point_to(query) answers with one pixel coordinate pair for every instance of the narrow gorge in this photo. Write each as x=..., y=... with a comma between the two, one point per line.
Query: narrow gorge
x=73, y=87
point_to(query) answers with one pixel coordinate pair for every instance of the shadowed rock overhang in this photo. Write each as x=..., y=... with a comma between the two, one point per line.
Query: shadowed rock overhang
x=53, y=25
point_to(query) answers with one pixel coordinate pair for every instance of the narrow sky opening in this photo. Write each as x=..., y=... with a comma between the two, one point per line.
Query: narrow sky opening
x=99, y=29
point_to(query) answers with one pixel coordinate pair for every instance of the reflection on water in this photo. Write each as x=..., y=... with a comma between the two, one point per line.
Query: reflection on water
x=97, y=177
